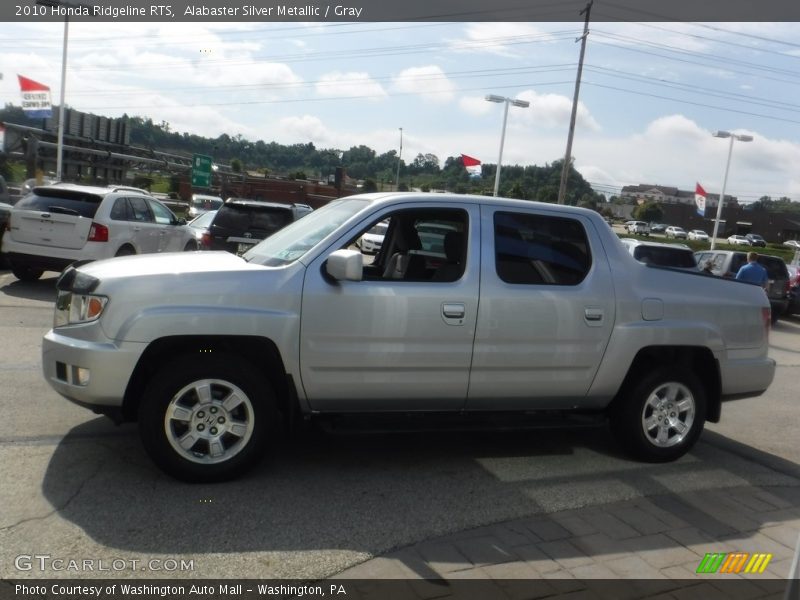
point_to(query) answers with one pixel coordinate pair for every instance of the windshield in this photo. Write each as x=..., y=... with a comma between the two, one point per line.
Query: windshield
x=207, y=203
x=293, y=241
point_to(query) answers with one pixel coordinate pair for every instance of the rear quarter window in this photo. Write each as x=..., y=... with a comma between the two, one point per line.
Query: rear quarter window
x=62, y=201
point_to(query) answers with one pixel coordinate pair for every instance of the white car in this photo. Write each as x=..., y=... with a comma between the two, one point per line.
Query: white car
x=371, y=242
x=792, y=244
x=56, y=225
x=698, y=235
x=202, y=203
x=738, y=240
x=673, y=231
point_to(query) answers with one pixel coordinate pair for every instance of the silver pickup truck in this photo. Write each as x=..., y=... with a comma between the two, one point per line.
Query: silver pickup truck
x=474, y=306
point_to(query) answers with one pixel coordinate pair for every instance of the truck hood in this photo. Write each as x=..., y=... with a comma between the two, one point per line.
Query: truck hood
x=172, y=263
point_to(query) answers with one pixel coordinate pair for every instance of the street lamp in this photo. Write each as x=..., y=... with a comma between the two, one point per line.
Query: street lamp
x=732, y=136
x=60, y=146
x=506, y=101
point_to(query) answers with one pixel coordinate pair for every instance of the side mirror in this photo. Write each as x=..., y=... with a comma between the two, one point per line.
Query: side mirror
x=179, y=221
x=345, y=265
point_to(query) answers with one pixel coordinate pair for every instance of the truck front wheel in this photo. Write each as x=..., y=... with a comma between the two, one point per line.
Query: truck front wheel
x=662, y=415
x=207, y=417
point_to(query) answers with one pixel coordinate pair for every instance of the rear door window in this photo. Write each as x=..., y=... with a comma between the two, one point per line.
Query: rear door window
x=68, y=202
x=141, y=210
x=537, y=249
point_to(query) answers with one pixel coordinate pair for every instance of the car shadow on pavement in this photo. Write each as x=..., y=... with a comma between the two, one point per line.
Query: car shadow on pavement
x=371, y=494
x=41, y=289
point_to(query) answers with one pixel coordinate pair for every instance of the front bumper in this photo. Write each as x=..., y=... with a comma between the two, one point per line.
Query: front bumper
x=91, y=374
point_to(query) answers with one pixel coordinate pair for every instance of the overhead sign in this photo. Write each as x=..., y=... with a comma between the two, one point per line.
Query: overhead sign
x=35, y=98
x=201, y=171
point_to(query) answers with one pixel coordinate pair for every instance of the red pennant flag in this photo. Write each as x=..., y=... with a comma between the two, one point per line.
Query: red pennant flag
x=469, y=161
x=700, y=200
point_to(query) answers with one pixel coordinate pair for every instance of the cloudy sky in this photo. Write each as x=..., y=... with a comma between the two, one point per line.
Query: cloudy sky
x=652, y=93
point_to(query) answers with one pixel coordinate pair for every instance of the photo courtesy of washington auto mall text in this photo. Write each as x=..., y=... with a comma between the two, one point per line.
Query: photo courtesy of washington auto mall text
x=244, y=590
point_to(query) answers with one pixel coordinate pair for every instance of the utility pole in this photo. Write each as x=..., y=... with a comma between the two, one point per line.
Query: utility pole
x=562, y=188
x=399, y=158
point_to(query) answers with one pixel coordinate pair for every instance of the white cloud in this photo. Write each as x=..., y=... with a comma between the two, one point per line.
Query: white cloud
x=429, y=82
x=498, y=38
x=361, y=85
x=303, y=129
x=547, y=111
x=475, y=105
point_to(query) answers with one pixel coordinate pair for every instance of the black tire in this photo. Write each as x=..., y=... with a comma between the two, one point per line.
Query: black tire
x=190, y=247
x=26, y=273
x=193, y=389
x=648, y=419
x=125, y=251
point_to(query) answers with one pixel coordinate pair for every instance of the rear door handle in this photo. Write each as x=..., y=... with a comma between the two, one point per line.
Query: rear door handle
x=452, y=310
x=593, y=316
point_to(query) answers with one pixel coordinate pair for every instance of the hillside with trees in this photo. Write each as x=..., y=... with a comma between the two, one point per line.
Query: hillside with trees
x=425, y=172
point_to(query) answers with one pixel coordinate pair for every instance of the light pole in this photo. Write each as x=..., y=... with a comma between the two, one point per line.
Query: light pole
x=732, y=136
x=60, y=146
x=399, y=158
x=506, y=101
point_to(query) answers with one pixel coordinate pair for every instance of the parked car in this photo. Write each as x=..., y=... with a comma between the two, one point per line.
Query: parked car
x=638, y=228
x=738, y=240
x=371, y=242
x=698, y=235
x=28, y=185
x=537, y=308
x=202, y=203
x=756, y=240
x=792, y=244
x=675, y=232
x=56, y=225
x=657, y=227
x=726, y=263
x=241, y=223
x=794, y=290
x=5, y=195
x=5, y=212
x=201, y=226
x=677, y=256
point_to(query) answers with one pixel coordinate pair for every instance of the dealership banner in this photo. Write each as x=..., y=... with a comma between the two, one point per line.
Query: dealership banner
x=35, y=98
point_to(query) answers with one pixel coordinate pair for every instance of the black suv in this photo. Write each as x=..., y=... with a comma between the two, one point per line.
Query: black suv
x=240, y=223
x=726, y=263
x=756, y=240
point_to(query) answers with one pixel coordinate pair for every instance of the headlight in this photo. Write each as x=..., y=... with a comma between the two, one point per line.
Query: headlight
x=72, y=308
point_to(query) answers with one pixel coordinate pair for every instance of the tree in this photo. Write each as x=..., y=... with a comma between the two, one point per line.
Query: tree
x=648, y=212
x=236, y=165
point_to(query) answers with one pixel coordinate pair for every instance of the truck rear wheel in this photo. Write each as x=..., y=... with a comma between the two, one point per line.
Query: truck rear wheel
x=662, y=415
x=207, y=417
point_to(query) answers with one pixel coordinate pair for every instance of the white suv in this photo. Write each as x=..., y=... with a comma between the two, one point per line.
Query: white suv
x=59, y=224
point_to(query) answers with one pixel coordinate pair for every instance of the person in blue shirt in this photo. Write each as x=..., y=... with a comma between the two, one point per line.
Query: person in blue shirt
x=753, y=272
